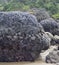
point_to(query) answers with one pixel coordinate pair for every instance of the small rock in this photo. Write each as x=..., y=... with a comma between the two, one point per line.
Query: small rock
x=46, y=53
x=49, y=34
x=55, y=40
x=53, y=57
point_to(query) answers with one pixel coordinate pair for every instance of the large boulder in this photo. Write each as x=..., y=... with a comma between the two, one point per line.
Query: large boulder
x=20, y=37
x=50, y=25
x=40, y=14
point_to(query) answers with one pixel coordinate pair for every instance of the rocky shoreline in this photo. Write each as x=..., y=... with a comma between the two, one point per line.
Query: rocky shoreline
x=24, y=37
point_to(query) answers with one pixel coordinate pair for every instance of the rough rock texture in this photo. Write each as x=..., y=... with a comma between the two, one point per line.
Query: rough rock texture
x=40, y=14
x=45, y=41
x=49, y=34
x=55, y=40
x=58, y=25
x=57, y=20
x=57, y=31
x=20, y=37
x=53, y=57
x=45, y=53
x=50, y=25
x=56, y=37
x=52, y=40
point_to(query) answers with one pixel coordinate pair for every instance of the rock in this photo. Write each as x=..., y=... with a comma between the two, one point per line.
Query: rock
x=57, y=63
x=50, y=25
x=40, y=14
x=49, y=34
x=57, y=20
x=53, y=57
x=52, y=42
x=21, y=37
x=57, y=31
x=58, y=25
x=45, y=42
x=46, y=53
x=56, y=39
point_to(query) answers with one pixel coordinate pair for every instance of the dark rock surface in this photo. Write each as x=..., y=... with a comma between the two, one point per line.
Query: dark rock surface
x=40, y=14
x=50, y=25
x=20, y=37
x=53, y=57
x=46, y=41
x=57, y=31
x=57, y=20
x=58, y=25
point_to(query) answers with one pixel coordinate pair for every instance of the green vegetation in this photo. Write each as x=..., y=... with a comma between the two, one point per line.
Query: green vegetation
x=1, y=7
x=56, y=16
x=52, y=6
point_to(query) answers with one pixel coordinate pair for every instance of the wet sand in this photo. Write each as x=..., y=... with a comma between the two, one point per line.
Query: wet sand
x=25, y=63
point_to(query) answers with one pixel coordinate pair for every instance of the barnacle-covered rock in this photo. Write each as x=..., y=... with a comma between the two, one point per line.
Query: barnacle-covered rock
x=20, y=37
x=40, y=14
x=50, y=25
